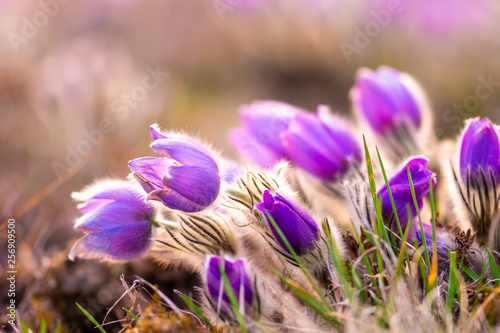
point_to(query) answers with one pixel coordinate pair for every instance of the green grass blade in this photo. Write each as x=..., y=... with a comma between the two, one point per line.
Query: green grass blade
x=58, y=327
x=130, y=314
x=91, y=318
x=311, y=301
x=433, y=276
x=424, y=241
x=494, y=268
x=232, y=298
x=453, y=285
x=298, y=261
x=43, y=326
x=196, y=309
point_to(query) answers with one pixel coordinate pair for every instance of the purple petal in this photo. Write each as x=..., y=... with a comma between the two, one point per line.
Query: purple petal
x=384, y=101
x=189, y=189
x=151, y=170
x=252, y=150
x=114, y=214
x=156, y=133
x=266, y=120
x=480, y=151
x=120, y=243
x=310, y=159
x=185, y=152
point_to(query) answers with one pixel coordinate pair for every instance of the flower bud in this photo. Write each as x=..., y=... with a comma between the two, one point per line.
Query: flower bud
x=480, y=154
x=384, y=99
x=186, y=178
x=117, y=221
x=402, y=194
x=298, y=227
x=259, y=139
x=240, y=283
x=322, y=145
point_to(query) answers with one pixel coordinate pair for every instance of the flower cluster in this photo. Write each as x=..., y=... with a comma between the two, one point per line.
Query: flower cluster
x=236, y=227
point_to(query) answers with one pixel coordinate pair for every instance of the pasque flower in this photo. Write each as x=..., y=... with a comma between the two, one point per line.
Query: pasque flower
x=480, y=154
x=298, y=227
x=116, y=220
x=259, y=139
x=239, y=281
x=321, y=144
x=186, y=178
x=402, y=194
x=385, y=101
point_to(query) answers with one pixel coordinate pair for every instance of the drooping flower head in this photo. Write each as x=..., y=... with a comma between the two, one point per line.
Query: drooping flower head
x=321, y=144
x=259, y=139
x=116, y=220
x=385, y=101
x=298, y=227
x=480, y=153
x=240, y=282
x=186, y=178
x=402, y=194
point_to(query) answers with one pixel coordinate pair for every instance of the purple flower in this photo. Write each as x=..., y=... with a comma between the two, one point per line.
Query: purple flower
x=384, y=100
x=259, y=139
x=297, y=226
x=116, y=220
x=445, y=242
x=321, y=144
x=401, y=192
x=480, y=153
x=186, y=178
x=238, y=278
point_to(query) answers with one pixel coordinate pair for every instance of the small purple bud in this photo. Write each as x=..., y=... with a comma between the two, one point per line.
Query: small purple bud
x=322, y=145
x=384, y=100
x=259, y=139
x=445, y=242
x=480, y=153
x=401, y=192
x=116, y=219
x=238, y=278
x=186, y=179
x=297, y=226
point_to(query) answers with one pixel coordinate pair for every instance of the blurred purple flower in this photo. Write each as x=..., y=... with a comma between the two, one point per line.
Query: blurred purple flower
x=297, y=226
x=445, y=242
x=238, y=278
x=384, y=101
x=321, y=144
x=259, y=139
x=401, y=192
x=480, y=153
x=186, y=179
x=117, y=221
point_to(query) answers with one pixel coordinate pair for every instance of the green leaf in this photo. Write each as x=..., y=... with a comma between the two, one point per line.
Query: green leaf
x=43, y=326
x=92, y=319
x=453, y=285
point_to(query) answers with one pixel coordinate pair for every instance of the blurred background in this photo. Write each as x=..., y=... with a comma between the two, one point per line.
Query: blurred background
x=81, y=81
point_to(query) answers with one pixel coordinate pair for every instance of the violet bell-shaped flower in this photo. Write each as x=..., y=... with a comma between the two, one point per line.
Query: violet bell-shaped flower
x=259, y=138
x=322, y=145
x=186, y=178
x=239, y=281
x=402, y=193
x=385, y=101
x=480, y=154
x=117, y=221
x=298, y=227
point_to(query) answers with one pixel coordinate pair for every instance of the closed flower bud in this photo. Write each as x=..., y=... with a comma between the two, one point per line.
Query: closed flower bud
x=186, y=178
x=298, y=227
x=385, y=101
x=402, y=194
x=241, y=285
x=117, y=221
x=322, y=145
x=480, y=154
x=259, y=139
